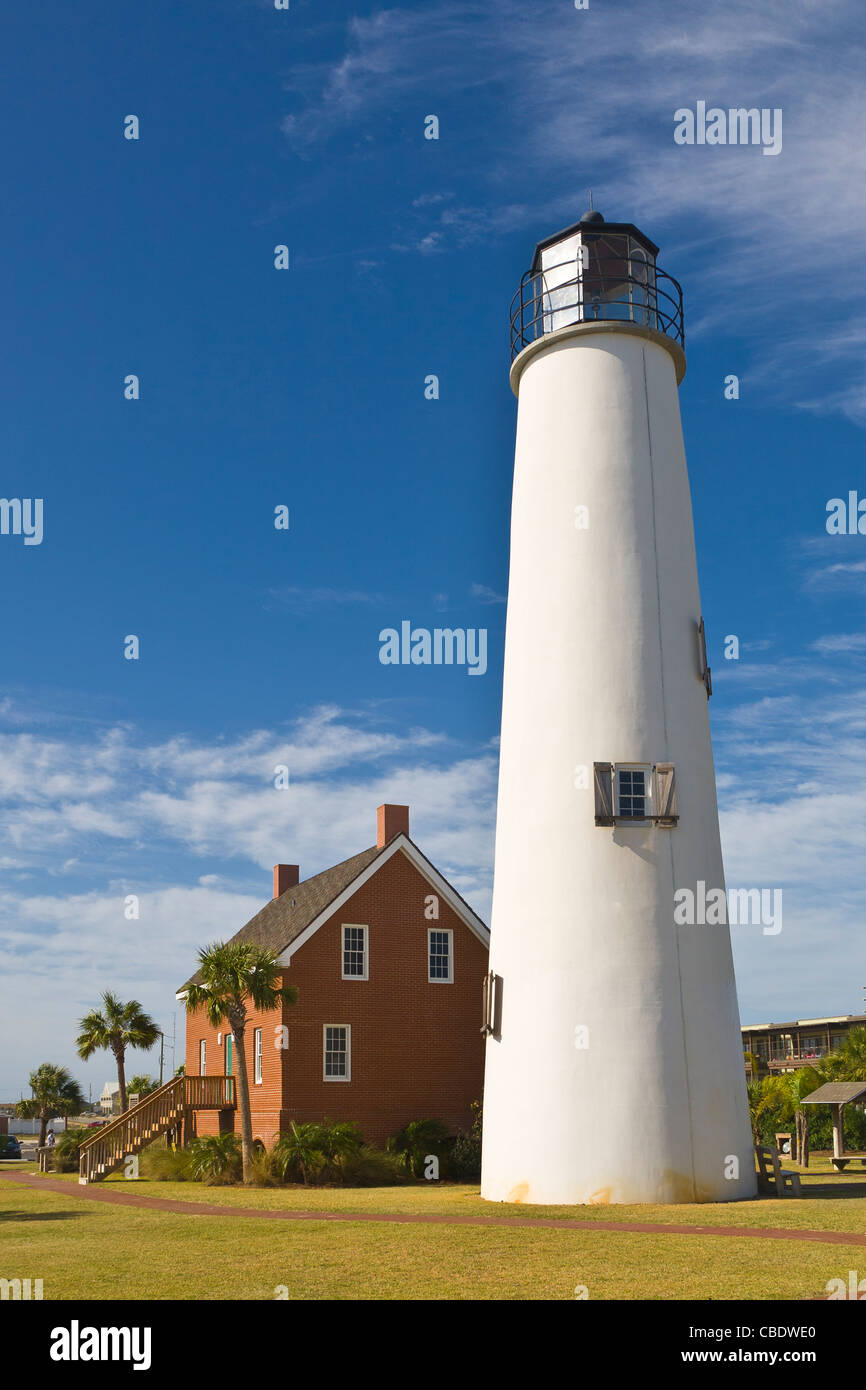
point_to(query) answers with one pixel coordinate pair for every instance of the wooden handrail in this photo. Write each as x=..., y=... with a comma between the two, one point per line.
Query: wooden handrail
x=157, y=1112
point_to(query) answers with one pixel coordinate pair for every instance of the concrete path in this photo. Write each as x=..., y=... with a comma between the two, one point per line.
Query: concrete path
x=129, y=1199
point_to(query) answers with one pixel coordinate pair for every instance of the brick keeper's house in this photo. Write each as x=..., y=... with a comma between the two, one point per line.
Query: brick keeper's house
x=389, y=962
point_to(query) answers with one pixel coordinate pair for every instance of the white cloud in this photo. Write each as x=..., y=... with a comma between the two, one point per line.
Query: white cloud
x=841, y=642
x=485, y=594
x=143, y=816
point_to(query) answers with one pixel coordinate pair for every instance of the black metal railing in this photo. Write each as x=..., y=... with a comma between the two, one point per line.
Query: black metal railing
x=625, y=289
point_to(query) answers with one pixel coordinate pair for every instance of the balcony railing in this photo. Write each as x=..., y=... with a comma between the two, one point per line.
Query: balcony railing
x=800, y=1058
x=622, y=289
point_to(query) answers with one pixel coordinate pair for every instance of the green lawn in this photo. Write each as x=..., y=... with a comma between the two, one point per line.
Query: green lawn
x=85, y=1249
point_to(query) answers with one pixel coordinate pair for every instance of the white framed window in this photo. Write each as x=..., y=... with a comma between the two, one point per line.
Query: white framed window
x=257, y=1056
x=202, y=1057
x=356, y=955
x=634, y=791
x=440, y=956
x=337, y=1052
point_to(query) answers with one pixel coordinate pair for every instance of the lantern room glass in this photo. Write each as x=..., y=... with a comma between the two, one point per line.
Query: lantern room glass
x=597, y=275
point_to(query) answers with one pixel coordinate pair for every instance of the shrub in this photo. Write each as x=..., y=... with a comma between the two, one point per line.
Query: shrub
x=416, y=1140
x=216, y=1159
x=297, y=1155
x=161, y=1164
x=317, y=1153
x=66, y=1153
x=464, y=1156
x=370, y=1167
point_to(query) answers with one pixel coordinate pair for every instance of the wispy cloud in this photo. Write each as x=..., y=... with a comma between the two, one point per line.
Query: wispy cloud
x=484, y=594
x=300, y=600
x=593, y=112
x=844, y=574
x=790, y=770
x=841, y=642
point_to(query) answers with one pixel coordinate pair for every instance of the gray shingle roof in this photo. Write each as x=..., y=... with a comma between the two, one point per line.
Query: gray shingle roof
x=278, y=923
x=836, y=1093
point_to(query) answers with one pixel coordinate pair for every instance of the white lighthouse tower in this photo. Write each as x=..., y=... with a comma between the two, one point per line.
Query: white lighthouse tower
x=614, y=1065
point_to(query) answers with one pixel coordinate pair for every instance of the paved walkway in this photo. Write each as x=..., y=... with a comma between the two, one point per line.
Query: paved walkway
x=655, y=1228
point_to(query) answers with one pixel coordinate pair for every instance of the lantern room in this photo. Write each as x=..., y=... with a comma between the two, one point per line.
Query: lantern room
x=595, y=270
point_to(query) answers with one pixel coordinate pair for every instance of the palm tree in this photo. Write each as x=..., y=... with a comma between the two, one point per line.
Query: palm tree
x=300, y=1150
x=215, y=1155
x=117, y=1027
x=341, y=1139
x=848, y=1062
x=54, y=1093
x=757, y=1106
x=233, y=973
x=142, y=1085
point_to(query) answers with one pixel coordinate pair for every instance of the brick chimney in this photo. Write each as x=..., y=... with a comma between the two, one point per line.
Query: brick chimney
x=285, y=876
x=390, y=821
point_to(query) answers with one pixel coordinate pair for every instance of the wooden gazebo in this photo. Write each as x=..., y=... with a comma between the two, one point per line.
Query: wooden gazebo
x=838, y=1094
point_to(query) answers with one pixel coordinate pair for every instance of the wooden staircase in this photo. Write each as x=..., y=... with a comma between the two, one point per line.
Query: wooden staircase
x=161, y=1111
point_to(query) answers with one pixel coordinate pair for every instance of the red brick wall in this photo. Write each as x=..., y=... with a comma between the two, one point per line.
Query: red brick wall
x=417, y=1049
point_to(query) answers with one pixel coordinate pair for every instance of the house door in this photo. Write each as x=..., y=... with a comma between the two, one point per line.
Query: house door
x=229, y=1054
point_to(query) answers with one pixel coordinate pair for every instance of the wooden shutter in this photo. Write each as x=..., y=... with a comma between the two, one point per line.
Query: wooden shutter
x=665, y=813
x=705, y=672
x=603, y=779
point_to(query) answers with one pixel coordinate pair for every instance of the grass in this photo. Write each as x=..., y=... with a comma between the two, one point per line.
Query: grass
x=817, y=1209
x=87, y=1250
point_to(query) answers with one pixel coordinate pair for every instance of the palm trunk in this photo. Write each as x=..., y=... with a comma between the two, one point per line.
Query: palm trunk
x=243, y=1085
x=121, y=1077
x=43, y=1127
x=802, y=1139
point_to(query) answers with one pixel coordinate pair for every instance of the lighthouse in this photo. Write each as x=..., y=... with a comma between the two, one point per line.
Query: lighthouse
x=614, y=1066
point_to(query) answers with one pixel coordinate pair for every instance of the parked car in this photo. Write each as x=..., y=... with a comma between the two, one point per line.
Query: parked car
x=9, y=1146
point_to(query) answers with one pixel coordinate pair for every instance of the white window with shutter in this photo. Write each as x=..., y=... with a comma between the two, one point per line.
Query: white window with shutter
x=635, y=794
x=258, y=1056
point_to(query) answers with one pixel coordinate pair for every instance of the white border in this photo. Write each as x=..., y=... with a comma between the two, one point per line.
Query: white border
x=649, y=799
x=348, y=1028
x=356, y=926
x=438, y=980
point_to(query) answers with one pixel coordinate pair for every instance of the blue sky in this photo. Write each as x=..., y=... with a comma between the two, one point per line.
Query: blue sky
x=306, y=388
